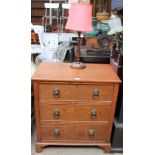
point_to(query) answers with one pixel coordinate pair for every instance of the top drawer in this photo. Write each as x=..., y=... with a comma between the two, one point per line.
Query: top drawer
x=49, y=91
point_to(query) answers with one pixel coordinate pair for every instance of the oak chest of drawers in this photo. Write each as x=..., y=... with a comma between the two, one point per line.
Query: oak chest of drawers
x=74, y=106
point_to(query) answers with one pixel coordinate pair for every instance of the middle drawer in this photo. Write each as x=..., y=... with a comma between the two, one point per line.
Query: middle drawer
x=71, y=111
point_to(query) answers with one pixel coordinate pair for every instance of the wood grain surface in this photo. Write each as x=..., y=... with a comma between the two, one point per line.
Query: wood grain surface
x=76, y=92
x=67, y=111
x=75, y=111
x=63, y=72
x=74, y=132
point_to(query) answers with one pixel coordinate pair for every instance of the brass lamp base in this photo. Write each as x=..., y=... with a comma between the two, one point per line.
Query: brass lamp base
x=78, y=65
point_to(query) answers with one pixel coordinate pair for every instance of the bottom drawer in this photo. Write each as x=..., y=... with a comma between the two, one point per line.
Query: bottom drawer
x=77, y=132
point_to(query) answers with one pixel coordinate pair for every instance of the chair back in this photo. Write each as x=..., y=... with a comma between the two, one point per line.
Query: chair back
x=51, y=5
x=66, y=5
x=50, y=41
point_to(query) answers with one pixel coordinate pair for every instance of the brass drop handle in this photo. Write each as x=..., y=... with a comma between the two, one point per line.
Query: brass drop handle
x=56, y=113
x=93, y=113
x=91, y=133
x=96, y=93
x=56, y=92
x=57, y=132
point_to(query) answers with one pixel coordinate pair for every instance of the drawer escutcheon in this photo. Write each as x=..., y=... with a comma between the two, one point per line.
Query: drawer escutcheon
x=56, y=113
x=56, y=92
x=91, y=133
x=96, y=93
x=93, y=113
x=57, y=132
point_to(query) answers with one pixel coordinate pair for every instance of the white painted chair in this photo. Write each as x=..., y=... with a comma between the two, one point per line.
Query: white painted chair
x=65, y=6
x=48, y=17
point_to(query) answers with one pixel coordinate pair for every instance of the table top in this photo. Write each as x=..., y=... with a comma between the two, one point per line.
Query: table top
x=62, y=72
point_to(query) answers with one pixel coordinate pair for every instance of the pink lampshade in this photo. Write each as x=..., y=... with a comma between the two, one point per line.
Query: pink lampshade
x=80, y=17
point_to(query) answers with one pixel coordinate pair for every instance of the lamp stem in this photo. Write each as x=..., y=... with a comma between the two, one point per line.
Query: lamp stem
x=78, y=64
x=78, y=48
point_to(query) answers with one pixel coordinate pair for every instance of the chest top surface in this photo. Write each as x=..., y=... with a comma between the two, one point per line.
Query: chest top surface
x=62, y=72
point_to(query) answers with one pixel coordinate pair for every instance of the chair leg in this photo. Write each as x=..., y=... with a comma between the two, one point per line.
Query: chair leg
x=45, y=19
x=63, y=25
x=51, y=24
x=58, y=24
x=43, y=22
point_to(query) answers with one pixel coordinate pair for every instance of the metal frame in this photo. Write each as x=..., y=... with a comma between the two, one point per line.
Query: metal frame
x=65, y=6
x=48, y=14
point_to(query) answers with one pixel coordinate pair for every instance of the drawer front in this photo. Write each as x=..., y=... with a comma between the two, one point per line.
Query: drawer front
x=79, y=112
x=75, y=92
x=94, y=132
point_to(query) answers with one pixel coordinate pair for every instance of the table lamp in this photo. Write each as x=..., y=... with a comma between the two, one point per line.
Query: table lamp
x=80, y=20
